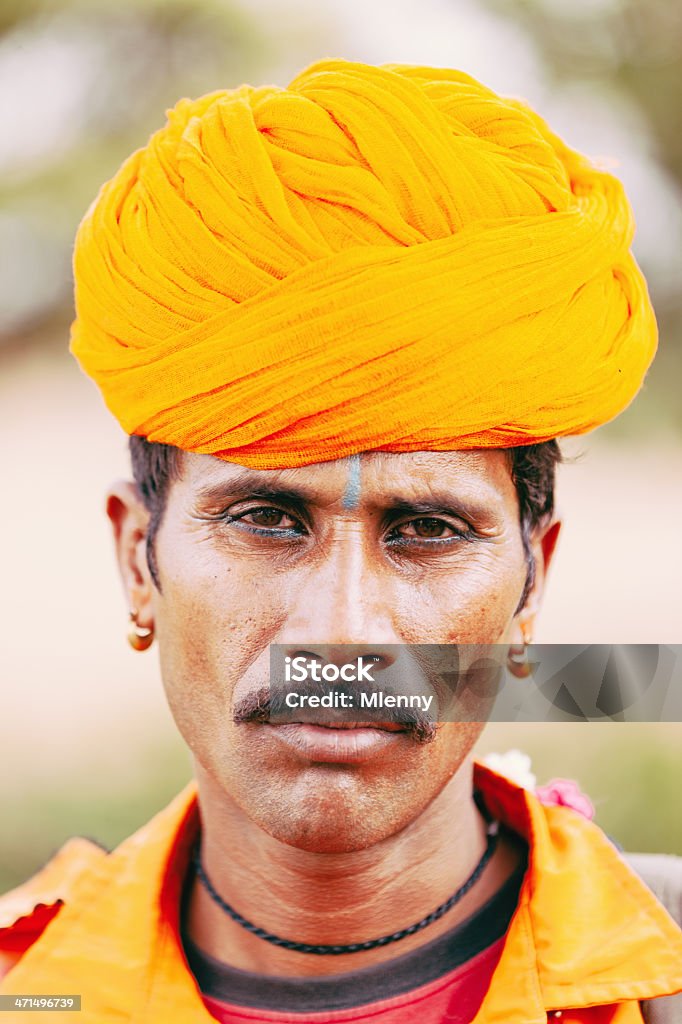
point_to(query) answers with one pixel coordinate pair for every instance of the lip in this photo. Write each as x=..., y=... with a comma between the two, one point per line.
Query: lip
x=337, y=744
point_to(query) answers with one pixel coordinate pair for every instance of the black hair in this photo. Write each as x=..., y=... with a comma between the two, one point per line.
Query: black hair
x=156, y=466
x=533, y=470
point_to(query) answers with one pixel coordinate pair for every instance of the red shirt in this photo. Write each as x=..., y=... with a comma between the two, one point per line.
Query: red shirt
x=444, y=979
x=454, y=998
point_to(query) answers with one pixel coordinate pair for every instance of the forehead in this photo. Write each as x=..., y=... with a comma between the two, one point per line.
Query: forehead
x=371, y=478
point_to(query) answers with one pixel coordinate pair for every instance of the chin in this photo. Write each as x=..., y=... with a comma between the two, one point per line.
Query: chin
x=325, y=835
x=331, y=818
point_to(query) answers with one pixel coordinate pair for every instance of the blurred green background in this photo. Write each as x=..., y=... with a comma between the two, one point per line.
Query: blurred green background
x=88, y=745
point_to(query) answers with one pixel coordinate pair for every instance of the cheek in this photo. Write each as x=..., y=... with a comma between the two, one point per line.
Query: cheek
x=472, y=603
x=214, y=624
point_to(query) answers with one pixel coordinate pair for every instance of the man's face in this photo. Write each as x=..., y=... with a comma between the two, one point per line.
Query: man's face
x=379, y=549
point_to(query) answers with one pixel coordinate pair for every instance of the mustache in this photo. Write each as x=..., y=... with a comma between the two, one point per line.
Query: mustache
x=267, y=705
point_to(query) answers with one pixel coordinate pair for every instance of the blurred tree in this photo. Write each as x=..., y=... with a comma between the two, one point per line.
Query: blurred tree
x=633, y=45
x=631, y=50
x=82, y=84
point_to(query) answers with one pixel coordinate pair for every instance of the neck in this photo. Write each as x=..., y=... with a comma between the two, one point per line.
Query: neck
x=340, y=898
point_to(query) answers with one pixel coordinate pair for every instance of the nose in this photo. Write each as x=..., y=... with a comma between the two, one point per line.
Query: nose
x=342, y=608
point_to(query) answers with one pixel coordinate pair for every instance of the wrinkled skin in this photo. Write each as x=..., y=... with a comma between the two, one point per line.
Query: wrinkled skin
x=385, y=549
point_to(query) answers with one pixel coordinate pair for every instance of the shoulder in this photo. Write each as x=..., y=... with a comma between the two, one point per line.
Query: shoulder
x=662, y=873
x=25, y=912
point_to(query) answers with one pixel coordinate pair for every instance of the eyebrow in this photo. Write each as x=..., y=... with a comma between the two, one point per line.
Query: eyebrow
x=250, y=485
x=443, y=502
x=247, y=485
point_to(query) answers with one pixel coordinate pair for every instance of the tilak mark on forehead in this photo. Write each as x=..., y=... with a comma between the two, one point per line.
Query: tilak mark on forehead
x=351, y=496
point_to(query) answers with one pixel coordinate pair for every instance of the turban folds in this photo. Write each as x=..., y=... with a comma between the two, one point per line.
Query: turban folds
x=389, y=258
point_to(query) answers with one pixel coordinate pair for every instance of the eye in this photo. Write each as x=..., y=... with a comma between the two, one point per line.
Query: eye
x=428, y=526
x=427, y=529
x=266, y=520
x=269, y=517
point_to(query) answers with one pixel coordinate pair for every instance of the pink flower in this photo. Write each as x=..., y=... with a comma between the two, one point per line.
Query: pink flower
x=565, y=793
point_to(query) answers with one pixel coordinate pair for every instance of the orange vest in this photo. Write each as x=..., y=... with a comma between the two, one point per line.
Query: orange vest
x=587, y=938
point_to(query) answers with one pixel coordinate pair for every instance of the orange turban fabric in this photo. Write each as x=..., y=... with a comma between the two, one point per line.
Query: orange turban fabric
x=386, y=258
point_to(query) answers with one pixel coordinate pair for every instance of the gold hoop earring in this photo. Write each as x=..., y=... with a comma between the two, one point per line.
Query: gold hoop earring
x=139, y=638
x=517, y=656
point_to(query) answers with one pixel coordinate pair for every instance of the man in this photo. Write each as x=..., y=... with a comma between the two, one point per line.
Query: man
x=344, y=323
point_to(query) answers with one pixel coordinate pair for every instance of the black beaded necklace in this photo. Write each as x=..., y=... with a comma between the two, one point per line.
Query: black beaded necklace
x=353, y=947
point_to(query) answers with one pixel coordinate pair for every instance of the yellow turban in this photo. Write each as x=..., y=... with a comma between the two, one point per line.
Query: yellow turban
x=387, y=258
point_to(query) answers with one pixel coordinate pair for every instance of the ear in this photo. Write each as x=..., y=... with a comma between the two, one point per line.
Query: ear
x=543, y=545
x=129, y=521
